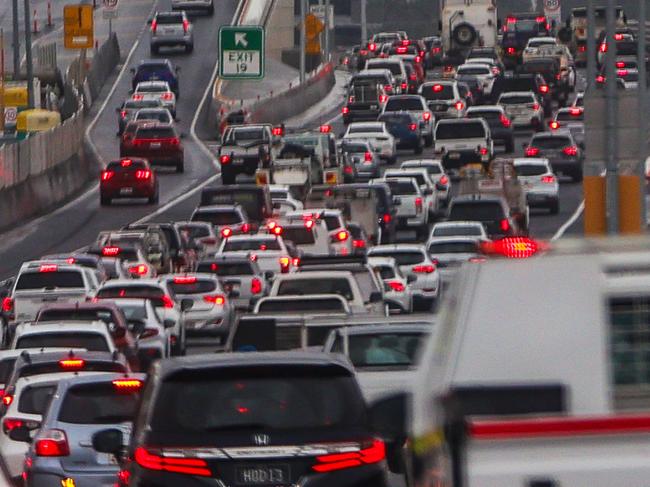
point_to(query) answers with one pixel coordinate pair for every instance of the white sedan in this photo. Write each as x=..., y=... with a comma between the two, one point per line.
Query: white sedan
x=377, y=134
x=156, y=90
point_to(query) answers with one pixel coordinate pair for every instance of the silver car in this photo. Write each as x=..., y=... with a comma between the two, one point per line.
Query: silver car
x=364, y=157
x=171, y=29
x=397, y=293
x=449, y=253
x=81, y=407
x=540, y=184
x=572, y=119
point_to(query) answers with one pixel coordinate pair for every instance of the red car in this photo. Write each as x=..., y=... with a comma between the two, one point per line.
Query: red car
x=159, y=143
x=128, y=178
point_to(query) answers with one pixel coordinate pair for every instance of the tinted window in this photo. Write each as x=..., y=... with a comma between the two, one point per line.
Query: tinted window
x=569, y=117
x=438, y=92
x=134, y=312
x=169, y=18
x=224, y=269
x=195, y=231
x=487, y=115
x=394, y=68
x=401, y=258
x=396, y=104
x=251, y=244
x=382, y=350
x=50, y=280
x=419, y=178
x=54, y=368
x=246, y=135
x=90, y=341
x=452, y=248
x=299, y=236
x=474, y=70
x=153, y=88
x=480, y=211
x=159, y=115
x=332, y=222
x=305, y=287
x=431, y=168
x=140, y=292
x=76, y=315
x=400, y=188
x=310, y=305
x=226, y=217
x=97, y=404
x=142, y=104
x=352, y=148
x=36, y=399
x=374, y=79
x=516, y=99
x=359, y=129
x=460, y=131
x=551, y=142
x=198, y=287
x=257, y=399
x=393, y=119
x=530, y=169
x=155, y=133
x=452, y=231
x=385, y=272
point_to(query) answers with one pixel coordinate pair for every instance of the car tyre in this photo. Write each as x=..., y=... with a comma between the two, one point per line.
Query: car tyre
x=155, y=198
x=104, y=200
x=510, y=146
x=428, y=140
x=180, y=167
x=189, y=48
x=154, y=50
x=554, y=207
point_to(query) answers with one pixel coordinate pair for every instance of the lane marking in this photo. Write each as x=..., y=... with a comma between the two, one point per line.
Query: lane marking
x=569, y=222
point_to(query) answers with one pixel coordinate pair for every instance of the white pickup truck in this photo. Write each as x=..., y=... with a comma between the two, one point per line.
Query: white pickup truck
x=40, y=283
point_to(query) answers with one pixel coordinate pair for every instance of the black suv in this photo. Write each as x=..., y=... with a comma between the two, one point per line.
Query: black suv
x=492, y=211
x=252, y=419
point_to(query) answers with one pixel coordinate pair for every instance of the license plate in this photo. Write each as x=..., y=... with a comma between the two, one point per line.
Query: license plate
x=155, y=145
x=238, y=160
x=454, y=155
x=373, y=107
x=263, y=475
x=106, y=459
x=126, y=191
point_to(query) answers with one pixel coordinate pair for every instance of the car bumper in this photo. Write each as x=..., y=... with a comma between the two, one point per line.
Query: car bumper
x=411, y=221
x=410, y=141
x=42, y=478
x=171, y=41
x=207, y=324
x=539, y=198
x=565, y=165
x=127, y=191
x=524, y=119
x=191, y=5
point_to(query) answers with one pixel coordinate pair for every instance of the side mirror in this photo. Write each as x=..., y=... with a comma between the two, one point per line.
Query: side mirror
x=169, y=323
x=149, y=21
x=581, y=145
x=376, y=297
x=388, y=420
x=108, y=441
x=183, y=135
x=136, y=327
x=186, y=304
x=132, y=70
x=268, y=275
x=177, y=69
x=410, y=279
x=440, y=186
x=21, y=433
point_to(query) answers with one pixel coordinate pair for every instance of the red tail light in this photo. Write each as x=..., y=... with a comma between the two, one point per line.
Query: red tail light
x=225, y=159
x=620, y=64
x=531, y=151
x=459, y=105
x=404, y=86
x=582, y=48
x=483, y=151
x=127, y=386
x=123, y=114
x=342, y=236
x=110, y=251
x=406, y=42
x=7, y=305
x=374, y=453
x=137, y=97
x=540, y=19
x=418, y=59
x=256, y=286
x=413, y=127
x=388, y=88
x=426, y=116
x=386, y=218
x=359, y=244
x=285, y=262
x=217, y=299
x=52, y=443
x=277, y=230
x=186, y=26
x=618, y=37
x=401, y=50
x=9, y=424
x=396, y=286
x=278, y=131
x=423, y=269
x=511, y=51
x=571, y=150
x=174, y=141
x=536, y=106
x=505, y=121
x=72, y=364
x=48, y=268
x=184, y=279
x=348, y=170
x=548, y=179
x=413, y=77
x=448, y=69
x=444, y=180
x=383, y=98
x=437, y=88
x=351, y=99
x=372, y=47
x=167, y=96
x=345, y=110
x=504, y=225
x=7, y=399
x=418, y=204
x=513, y=247
x=600, y=78
x=603, y=47
x=367, y=157
x=295, y=262
x=554, y=124
x=325, y=129
x=622, y=72
x=139, y=270
x=106, y=175
x=576, y=111
x=246, y=227
x=226, y=232
x=511, y=20
x=167, y=302
x=143, y=174
x=154, y=26
x=189, y=466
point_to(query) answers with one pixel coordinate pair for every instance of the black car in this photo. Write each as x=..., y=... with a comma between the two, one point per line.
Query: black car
x=252, y=419
x=492, y=211
x=500, y=124
x=156, y=70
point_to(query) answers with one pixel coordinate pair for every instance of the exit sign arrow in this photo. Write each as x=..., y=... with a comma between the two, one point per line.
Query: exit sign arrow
x=240, y=39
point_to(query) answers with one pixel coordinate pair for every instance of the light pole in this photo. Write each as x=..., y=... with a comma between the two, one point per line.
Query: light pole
x=643, y=103
x=303, y=40
x=15, y=38
x=28, y=57
x=611, y=125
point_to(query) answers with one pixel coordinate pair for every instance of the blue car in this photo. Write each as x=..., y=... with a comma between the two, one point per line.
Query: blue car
x=406, y=129
x=156, y=70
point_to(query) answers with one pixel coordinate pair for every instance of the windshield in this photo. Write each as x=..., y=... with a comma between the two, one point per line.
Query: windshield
x=453, y=248
x=50, y=280
x=381, y=349
x=92, y=342
x=468, y=130
x=98, y=404
x=251, y=244
x=268, y=398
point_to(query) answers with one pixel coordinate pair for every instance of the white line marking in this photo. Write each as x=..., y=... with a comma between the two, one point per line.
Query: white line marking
x=569, y=222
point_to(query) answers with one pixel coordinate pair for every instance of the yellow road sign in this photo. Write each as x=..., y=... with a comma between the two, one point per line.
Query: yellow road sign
x=313, y=26
x=312, y=46
x=78, y=26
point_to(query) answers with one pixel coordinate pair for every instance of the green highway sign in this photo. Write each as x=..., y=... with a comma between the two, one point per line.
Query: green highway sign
x=241, y=52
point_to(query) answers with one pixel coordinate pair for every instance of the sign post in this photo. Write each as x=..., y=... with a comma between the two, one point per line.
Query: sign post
x=110, y=11
x=241, y=52
x=553, y=12
x=78, y=26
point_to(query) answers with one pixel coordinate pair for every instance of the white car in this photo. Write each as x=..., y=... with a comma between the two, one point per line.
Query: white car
x=540, y=183
x=269, y=251
x=427, y=186
x=523, y=109
x=156, y=90
x=397, y=291
x=449, y=253
x=443, y=98
x=411, y=212
x=437, y=174
x=377, y=134
x=414, y=261
x=340, y=239
x=460, y=229
x=281, y=193
x=483, y=72
x=94, y=336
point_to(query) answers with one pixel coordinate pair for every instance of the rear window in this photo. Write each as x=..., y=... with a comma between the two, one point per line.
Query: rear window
x=467, y=130
x=530, y=169
x=516, y=99
x=170, y=18
x=151, y=88
x=396, y=118
x=224, y=269
x=251, y=244
x=299, y=235
x=453, y=248
x=401, y=258
x=155, y=133
x=371, y=79
x=117, y=165
x=194, y=231
x=76, y=315
x=299, y=306
x=332, y=222
x=97, y=404
x=487, y=115
x=381, y=350
x=385, y=272
x=50, y=280
x=551, y=142
x=351, y=148
x=360, y=129
x=92, y=342
x=419, y=178
x=36, y=399
x=472, y=70
x=225, y=217
x=394, y=68
x=396, y=104
x=570, y=117
x=201, y=286
x=431, y=168
x=270, y=398
x=140, y=292
x=154, y=115
x=54, y=368
x=400, y=188
x=142, y=104
x=305, y=287
x=480, y=211
x=457, y=230
x=438, y=92
x=246, y=135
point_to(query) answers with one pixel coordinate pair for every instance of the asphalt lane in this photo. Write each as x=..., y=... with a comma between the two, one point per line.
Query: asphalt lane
x=79, y=222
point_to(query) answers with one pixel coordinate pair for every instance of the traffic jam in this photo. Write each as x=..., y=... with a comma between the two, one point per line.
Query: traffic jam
x=358, y=303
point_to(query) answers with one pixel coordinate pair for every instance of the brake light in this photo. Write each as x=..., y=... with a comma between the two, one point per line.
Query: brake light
x=277, y=230
x=48, y=268
x=548, y=179
x=351, y=99
x=423, y=269
x=437, y=88
x=110, y=251
x=7, y=305
x=404, y=86
x=483, y=151
x=186, y=26
x=106, y=175
x=123, y=114
x=401, y=50
x=618, y=37
x=217, y=299
x=396, y=286
x=342, y=236
x=383, y=98
x=536, y=106
x=154, y=25
x=72, y=364
x=444, y=180
x=504, y=225
x=7, y=399
x=436, y=49
x=372, y=47
x=374, y=453
x=554, y=124
x=543, y=89
x=367, y=156
x=448, y=68
x=505, y=121
x=622, y=72
x=348, y=170
x=127, y=386
x=413, y=127
x=295, y=262
x=572, y=150
x=9, y=424
x=388, y=88
x=246, y=227
x=143, y=174
x=511, y=20
x=459, y=105
x=359, y=244
x=278, y=131
x=418, y=204
x=406, y=42
x=600, y=78
x=513, y=247
x=173, y=141
x=620, y=64
x=52, y=443
x=184, y=279
x=575, y=111
x=226, y=232
x=540, y=19
x=345, y=110
x=582, y=48
x=511, y=51
x=137, y=97
x=418, y=59
x=167, y=96
x=603, y=47
x=325, y=129
x=284, y=264
x=189, y=466
x=139, y=270
x=426, y=116
x=256, y=286
x=413, y=77
x=386, y=218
